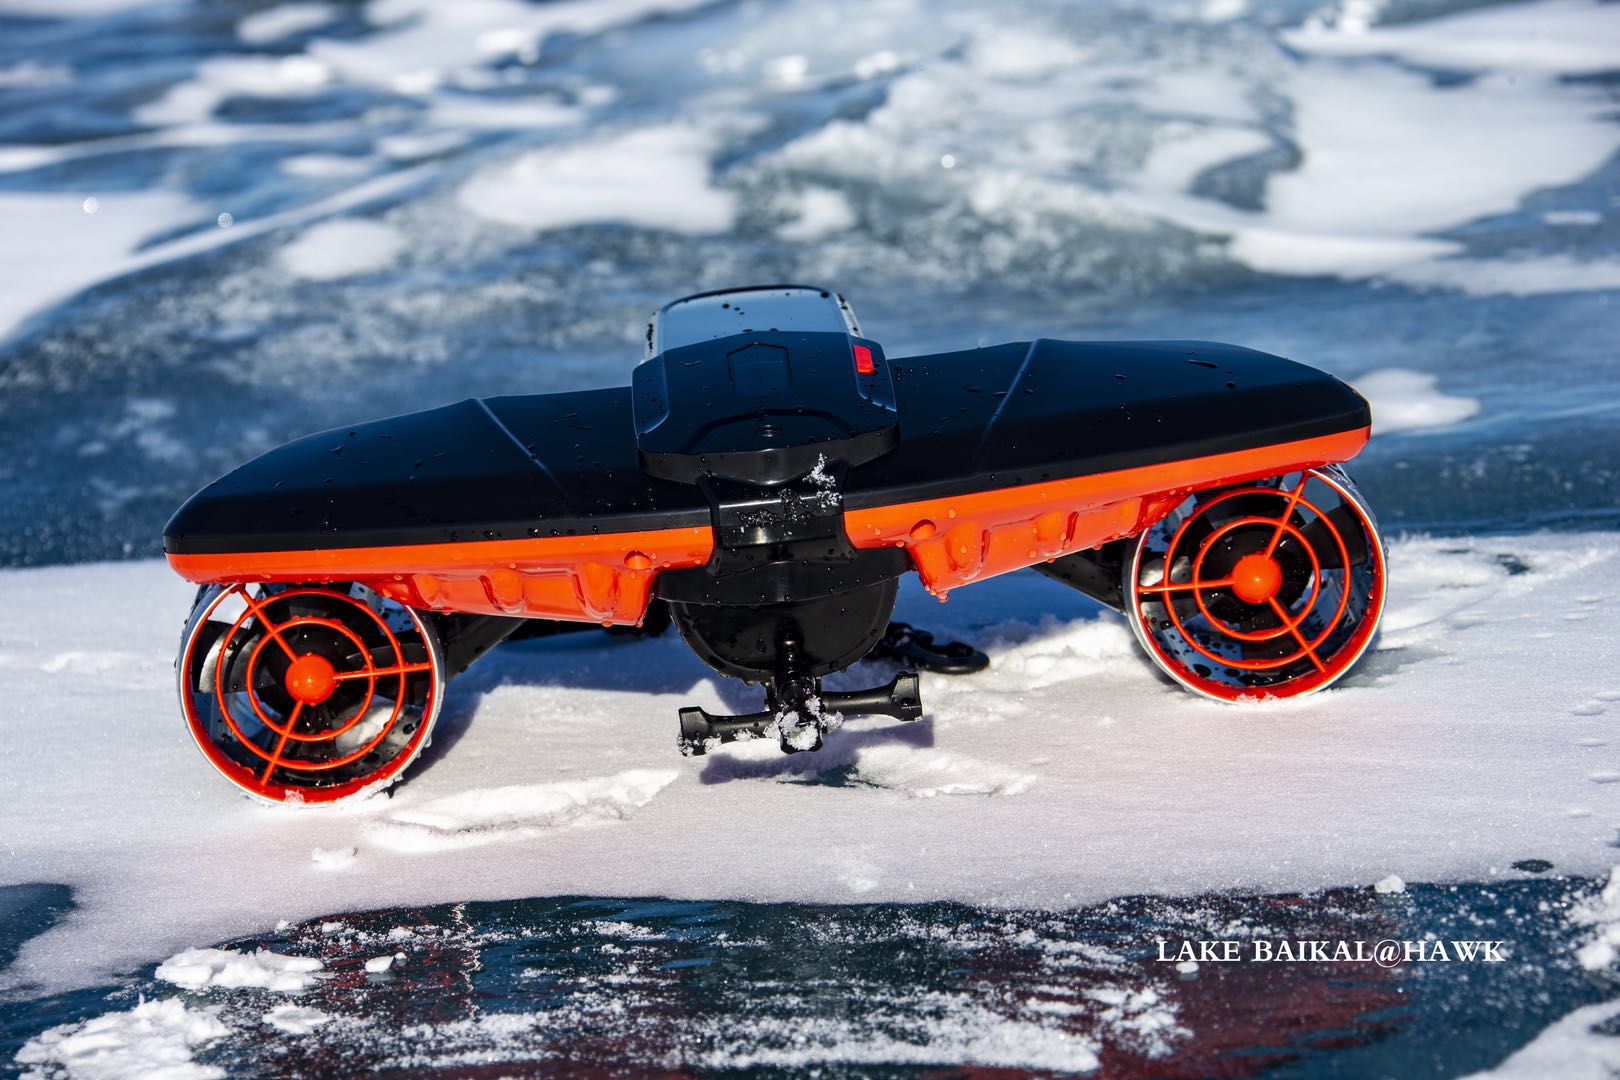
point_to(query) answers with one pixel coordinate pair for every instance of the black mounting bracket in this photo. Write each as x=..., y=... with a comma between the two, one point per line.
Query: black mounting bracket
x=799, y=713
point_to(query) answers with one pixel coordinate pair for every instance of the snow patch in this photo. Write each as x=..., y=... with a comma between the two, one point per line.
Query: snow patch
x=920, y=772
x=464, y=113
x=153, y=1040
x=1567, y=37
x=1183, y=152
x=967, y=1035
x=519, y=812
x=820, y=213
x=198, y=969
x=283, y=20
x=1141, y=1018
x=325, y=166
x=1217, y=11
x=1350, y=207
x=1528, y=275
x=1405, y=400
x=32, y=74
x=422, y=44
x=656, y=178
x=1572, y=217
x=1602, y=913
x=53, y=248
x=1390, y=884
x=68, y=9
x=1578, y=1047
x=343, y=248
x=220, y=78
x=296, y=1019
x=1017, y=54
x=340, y=858
x=924, y=774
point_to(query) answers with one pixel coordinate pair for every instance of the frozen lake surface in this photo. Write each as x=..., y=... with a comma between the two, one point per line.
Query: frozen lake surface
x=722, y=988
x=225, y=225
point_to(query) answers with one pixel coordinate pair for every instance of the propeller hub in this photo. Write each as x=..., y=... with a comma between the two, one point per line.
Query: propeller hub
x=311, y=679
x=1256, y=578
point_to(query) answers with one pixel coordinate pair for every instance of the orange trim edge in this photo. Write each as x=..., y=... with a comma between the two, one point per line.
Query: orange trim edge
x=960, y=539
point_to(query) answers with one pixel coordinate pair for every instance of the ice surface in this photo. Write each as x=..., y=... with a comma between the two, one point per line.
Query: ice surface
x=1405, y=400
x=153, y=1041
x=1065, y=773
x=343, y=248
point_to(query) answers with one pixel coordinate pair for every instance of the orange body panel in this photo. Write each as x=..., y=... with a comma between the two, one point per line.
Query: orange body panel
x=603, y=578
x=607, y=578
x=965, y=538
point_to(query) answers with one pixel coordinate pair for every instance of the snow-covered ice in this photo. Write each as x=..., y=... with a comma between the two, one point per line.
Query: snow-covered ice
x=1065, y=773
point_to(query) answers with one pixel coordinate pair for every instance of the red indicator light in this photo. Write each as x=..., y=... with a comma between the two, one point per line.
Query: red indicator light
x=863, y=361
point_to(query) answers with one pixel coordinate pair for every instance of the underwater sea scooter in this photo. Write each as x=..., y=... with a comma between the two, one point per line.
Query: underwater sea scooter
x=766, y=480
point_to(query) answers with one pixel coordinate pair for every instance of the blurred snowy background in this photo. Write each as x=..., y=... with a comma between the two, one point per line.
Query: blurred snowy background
x=226, y=224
